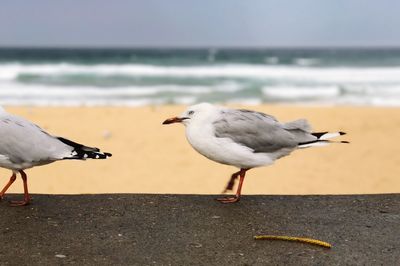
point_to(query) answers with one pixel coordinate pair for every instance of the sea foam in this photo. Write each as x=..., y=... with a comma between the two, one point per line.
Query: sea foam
x=99, y=84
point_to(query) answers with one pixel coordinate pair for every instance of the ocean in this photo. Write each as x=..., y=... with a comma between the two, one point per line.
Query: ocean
x=137, y=77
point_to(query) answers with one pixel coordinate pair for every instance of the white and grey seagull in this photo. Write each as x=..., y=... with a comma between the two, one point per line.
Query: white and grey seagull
x=245, y=139
x=24, y=145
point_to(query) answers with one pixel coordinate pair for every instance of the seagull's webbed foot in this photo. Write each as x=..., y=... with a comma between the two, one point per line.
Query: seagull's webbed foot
x=16, y=203
x=27, y=198
x=228, y=199
x=230, y=185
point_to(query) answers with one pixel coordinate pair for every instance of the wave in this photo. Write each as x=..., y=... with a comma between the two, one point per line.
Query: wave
x=228, y=92
x=336, y=95
x=306, y=61
x=296, y=93
x=61, y=91
x=11, y=71
x=141, y=84
x=36, y=94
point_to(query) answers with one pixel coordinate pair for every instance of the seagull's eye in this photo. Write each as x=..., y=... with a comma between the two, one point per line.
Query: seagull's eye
x=190, y=112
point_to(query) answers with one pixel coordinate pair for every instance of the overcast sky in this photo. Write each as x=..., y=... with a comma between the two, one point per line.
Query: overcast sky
x=199, y=23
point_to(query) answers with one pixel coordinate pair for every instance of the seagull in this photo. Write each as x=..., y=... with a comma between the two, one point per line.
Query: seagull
x=24, y=145
x=245, y=139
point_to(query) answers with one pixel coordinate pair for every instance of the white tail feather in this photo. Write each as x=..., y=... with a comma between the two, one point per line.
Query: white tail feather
x=323, y=139
x=330, y=135
x=314, y=144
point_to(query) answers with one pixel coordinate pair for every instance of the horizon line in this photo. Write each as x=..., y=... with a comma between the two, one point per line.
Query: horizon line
x=167, y=47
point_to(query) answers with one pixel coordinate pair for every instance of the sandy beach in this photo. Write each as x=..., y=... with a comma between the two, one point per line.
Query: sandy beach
x=151, y=158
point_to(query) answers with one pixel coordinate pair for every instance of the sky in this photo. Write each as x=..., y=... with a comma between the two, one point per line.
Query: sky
x=200, y=23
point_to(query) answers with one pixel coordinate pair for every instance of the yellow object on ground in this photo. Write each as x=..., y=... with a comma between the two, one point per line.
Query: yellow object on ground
x=296, y=239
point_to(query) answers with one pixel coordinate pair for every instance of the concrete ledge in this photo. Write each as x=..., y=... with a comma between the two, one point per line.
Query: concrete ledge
x=131, y=229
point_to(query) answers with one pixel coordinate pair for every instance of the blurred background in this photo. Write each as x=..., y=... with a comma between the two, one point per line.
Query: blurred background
x=137, y=53
x=107, y=73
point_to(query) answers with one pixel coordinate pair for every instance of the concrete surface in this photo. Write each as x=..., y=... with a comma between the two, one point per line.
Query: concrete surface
x=131, y=229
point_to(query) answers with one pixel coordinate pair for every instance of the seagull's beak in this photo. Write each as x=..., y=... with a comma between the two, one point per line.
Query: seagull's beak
x=174, y=120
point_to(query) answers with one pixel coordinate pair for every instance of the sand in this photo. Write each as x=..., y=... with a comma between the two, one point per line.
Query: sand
x=149, y=157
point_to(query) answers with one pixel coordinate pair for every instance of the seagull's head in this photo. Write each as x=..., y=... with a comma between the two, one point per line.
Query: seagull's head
x=198, y=112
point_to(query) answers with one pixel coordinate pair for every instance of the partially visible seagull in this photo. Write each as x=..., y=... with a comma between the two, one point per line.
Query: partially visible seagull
x=245, y=139
x=24, y=145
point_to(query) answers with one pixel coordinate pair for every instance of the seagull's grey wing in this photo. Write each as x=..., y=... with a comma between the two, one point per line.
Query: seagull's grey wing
x=301, y=130
x=24, y=142
x=258, y=131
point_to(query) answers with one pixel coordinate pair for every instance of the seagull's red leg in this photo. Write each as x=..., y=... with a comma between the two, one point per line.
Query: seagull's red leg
x=12, y=179
x=235, y=198
x=26, y=193
x=231, y=182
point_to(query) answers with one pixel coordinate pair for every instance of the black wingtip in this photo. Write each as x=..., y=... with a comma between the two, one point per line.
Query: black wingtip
x=342, y=133
x=345, y=141
x=107, y=154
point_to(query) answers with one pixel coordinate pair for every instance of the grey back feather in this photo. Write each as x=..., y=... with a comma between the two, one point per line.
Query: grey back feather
x=261, y=132
x=300, y=124
x=24, y=142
